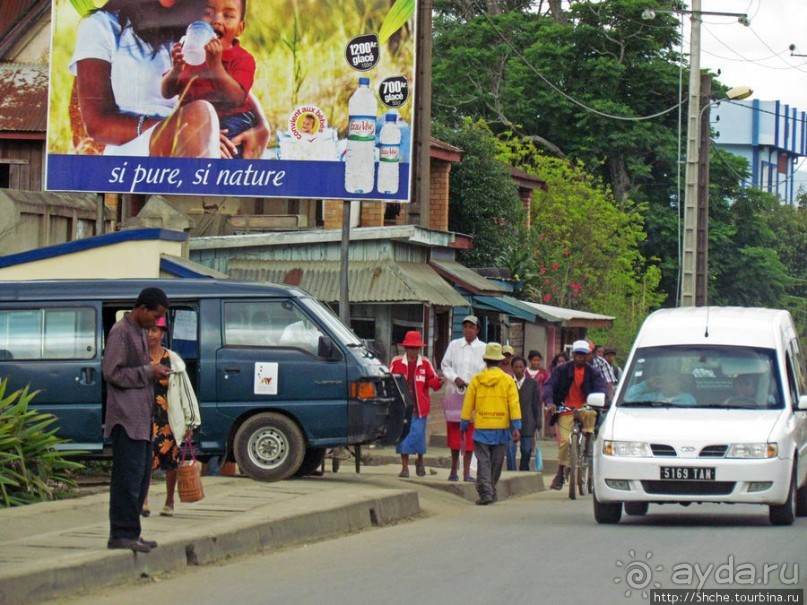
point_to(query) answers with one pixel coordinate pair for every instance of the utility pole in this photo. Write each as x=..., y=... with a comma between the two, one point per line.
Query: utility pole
x=688, y=272
x=702, y=238
x=422, y=132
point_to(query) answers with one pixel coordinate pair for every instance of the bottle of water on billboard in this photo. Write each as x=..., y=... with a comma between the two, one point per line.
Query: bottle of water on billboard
x=389, y=154
x=360, y=153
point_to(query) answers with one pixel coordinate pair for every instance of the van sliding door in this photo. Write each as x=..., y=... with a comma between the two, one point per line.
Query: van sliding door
x=56, y=349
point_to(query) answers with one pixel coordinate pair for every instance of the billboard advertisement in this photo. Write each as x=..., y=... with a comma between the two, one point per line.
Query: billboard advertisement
x=260, y=98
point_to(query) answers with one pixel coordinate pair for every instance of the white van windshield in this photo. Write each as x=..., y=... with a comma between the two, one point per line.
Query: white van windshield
x=703, y=377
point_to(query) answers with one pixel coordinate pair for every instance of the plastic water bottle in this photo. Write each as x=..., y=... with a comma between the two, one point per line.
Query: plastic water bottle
x=360, y=151
x=199, y=33
x=389, y=155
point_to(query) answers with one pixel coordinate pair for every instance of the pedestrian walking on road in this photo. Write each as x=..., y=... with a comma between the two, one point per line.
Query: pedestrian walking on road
x=491, y=403
x=130, y=379
x=420, y=377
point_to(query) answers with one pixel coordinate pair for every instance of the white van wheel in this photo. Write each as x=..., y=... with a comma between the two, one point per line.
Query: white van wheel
x=607, y=512
x=785, y=514
x=801, y=501
x=269, y=447
x=636, y=509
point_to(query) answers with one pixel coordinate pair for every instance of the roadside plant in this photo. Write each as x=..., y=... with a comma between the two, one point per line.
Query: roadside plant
x=31, y=470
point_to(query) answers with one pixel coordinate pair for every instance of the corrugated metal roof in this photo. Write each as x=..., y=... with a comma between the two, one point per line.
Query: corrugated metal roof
x=467, y=278
x=23, y=97
x=382, y=281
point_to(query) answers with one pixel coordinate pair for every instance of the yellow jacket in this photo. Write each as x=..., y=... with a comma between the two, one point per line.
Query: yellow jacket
x=491, y=401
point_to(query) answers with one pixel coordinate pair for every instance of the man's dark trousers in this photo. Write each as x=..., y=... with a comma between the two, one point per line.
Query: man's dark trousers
x=131, y=474
x=489, y=463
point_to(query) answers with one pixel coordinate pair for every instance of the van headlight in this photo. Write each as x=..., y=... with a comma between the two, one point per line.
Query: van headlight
x=626, y=448
x=752, y=450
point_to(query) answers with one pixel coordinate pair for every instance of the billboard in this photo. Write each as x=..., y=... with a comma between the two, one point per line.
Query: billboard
x=260, y=98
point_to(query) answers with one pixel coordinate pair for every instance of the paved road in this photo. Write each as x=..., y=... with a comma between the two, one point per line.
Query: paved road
x=535, y=549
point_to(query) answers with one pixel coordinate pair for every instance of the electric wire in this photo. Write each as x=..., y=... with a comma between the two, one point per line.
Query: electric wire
x=568, y=97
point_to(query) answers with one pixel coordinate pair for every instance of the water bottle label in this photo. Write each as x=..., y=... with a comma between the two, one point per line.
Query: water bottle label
x=389, y=153
x=361, y=128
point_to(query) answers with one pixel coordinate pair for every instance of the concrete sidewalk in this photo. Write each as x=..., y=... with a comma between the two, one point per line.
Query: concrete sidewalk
x=56, y=549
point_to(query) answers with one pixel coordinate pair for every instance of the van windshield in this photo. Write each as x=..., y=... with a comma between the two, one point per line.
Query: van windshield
x=334, y=324
x=704, y=377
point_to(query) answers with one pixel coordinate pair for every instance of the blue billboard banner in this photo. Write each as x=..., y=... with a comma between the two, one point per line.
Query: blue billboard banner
x=266, y=98
x=309, y=179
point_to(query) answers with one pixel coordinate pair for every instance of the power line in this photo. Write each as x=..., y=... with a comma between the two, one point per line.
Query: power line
x=568, y=97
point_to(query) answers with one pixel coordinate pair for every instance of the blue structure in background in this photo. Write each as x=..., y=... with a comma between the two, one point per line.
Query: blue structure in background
x=771, y=135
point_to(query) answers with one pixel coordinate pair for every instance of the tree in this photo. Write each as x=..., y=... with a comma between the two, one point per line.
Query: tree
x=585, y=244
x=483, y=200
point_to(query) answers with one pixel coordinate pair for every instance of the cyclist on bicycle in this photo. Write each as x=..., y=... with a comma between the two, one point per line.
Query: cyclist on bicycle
x=569, y=385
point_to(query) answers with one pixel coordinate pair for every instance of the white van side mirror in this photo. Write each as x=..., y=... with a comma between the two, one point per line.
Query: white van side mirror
x=802, y=403
x=596, y=400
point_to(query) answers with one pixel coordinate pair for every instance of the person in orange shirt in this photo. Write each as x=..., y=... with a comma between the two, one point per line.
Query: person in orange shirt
x=569, y=385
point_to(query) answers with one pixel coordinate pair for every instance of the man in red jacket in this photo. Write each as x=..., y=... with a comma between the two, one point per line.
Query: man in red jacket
x=420, y=376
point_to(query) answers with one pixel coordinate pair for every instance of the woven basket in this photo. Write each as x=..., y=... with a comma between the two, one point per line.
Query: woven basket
x=189, y=477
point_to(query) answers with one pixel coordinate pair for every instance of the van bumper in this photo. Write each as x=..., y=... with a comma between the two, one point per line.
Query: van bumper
x=377, y=419
x=752, y=481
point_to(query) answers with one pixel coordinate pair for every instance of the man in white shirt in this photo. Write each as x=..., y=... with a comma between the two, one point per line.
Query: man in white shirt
x=461, y=362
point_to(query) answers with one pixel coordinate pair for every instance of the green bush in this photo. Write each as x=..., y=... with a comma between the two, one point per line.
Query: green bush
x=30, y=469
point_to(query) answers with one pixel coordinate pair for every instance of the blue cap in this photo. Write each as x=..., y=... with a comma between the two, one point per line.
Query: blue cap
x=391, y=117
x=364, y=80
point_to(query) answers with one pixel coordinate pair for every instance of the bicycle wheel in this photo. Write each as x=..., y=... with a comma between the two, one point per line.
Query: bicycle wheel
x=581, y=462
x=574, y=458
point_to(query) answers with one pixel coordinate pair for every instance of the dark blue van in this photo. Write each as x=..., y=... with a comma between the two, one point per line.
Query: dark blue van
x=278, y=376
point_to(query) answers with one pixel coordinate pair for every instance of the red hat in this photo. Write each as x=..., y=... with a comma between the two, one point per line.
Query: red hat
x=413, y=339
x=161, y=323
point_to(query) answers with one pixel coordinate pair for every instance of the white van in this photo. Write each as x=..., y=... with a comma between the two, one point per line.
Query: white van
x=712, y=407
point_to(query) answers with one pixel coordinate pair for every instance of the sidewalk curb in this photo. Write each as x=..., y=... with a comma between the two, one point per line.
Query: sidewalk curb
x=242, y=535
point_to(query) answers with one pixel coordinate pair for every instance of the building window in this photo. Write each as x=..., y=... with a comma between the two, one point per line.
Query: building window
x=5, y=176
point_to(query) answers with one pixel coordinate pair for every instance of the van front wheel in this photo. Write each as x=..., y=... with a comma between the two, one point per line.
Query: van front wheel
x=269, y=447
x=785, y=514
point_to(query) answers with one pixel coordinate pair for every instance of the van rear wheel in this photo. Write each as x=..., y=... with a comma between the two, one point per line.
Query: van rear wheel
x=801, y=501
x=269, y=447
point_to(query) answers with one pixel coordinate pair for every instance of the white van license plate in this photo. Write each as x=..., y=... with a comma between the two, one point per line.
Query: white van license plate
x=688, y=473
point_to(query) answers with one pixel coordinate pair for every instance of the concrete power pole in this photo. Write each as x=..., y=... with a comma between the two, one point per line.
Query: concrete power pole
x=702, y=239
x=690, y=247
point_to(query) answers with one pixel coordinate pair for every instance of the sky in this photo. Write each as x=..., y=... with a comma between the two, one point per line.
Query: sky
x=758, y=55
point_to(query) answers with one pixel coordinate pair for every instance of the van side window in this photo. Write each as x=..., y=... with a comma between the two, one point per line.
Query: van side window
x=184, y=330
x=791, y=383
x=269, y=324
x=798, y=366
x=50, y=333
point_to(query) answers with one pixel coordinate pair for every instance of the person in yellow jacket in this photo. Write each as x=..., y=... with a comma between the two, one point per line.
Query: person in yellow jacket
x=491, y=403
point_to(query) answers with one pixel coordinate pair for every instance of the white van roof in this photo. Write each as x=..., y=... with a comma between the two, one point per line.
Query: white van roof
x=739, y=326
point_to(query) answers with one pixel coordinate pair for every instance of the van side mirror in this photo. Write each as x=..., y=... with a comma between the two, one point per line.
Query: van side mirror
x=325, y=347
x=596, y=400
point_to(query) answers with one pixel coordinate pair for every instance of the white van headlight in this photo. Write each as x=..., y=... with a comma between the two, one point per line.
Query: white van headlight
x=626, y=448
x=752, y=450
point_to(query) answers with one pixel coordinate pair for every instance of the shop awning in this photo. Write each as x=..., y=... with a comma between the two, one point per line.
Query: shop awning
x=368, y=281
x=465, y=278
x=536, y=313
x=509, y=305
